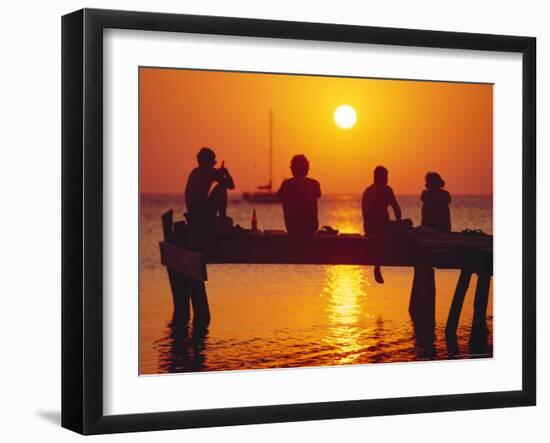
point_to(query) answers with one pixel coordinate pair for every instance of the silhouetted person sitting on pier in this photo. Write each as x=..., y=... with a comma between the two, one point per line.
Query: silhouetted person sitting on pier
x=436, y=213
x=299, y=195
x=376, y=218
x=205, y=205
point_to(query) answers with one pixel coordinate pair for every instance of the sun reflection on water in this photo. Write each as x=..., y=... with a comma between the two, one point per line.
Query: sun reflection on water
x=347, y=219
x=345, y=290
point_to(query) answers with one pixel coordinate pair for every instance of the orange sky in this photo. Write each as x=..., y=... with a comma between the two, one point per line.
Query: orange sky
x=410, y=127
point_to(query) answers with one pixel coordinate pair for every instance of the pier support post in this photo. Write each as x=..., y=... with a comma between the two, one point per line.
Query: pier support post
x=479, y=322
x=422, y=301
x=199, y=300
x=181, y=291
x=187, y=282
x=458, y=300
x=186, y=291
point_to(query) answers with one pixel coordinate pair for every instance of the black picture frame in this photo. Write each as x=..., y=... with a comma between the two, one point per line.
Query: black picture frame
x=82, y=218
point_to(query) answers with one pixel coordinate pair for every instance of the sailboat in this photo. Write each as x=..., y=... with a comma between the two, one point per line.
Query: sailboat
x=265, y=193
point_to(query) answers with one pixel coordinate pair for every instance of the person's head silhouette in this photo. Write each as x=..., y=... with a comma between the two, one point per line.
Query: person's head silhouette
x=206, y=157
x=299, y=165
x=380, y=175
x=434, y=181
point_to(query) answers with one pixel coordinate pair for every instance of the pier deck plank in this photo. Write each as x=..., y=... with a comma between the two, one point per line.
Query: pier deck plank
x=438, y=250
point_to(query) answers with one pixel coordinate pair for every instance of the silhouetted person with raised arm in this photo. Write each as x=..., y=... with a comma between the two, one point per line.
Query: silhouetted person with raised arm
x=376, y=218
x=436, y=213
x=299, y=196
x=205, y=204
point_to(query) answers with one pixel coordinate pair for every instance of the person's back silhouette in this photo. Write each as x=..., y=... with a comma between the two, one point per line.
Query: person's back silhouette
x=376, y=218
x=299, y=196
x=374, y=204
x=436, y=213
x=203, y=204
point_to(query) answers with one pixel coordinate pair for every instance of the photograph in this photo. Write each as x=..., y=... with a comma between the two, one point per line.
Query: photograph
x=294, y=220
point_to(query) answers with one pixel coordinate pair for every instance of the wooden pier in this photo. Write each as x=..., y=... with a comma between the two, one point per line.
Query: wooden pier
x=186, y=258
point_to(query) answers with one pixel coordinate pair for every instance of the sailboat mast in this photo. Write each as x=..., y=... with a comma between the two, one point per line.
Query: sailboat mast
x=270, y=149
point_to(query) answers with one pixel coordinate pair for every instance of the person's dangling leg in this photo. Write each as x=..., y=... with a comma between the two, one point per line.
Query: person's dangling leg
x=374, y=229
x=378, y=274
x=395, y=227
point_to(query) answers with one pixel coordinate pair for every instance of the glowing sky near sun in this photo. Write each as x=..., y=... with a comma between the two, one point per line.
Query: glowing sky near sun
x=411, y=127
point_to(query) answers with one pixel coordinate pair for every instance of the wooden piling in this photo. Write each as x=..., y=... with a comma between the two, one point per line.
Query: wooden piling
x=479, y=322
x=186, y=291
x=422, y=301
x=181, y=291
x=167, y=230
x=199, y=300
x=458, y=300
x=186, y=272
x=179, y=283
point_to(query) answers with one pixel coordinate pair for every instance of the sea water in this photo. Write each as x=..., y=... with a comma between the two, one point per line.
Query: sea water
x=280, y=316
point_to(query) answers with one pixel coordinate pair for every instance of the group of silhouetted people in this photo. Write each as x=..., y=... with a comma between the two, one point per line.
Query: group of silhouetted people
x=299, y=196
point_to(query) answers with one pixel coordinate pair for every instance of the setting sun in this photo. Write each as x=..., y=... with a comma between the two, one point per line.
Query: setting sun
x=345, y=116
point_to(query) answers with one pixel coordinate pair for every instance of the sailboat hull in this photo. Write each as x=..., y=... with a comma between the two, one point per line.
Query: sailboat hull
x=261, y=197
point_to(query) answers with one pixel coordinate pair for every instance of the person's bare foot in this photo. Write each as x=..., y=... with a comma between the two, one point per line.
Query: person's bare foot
x=378, y=275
